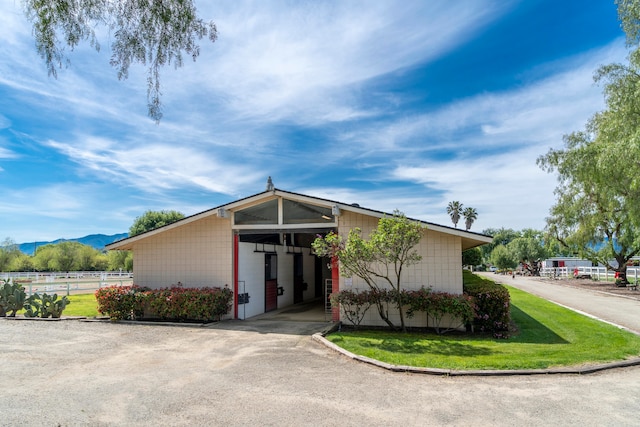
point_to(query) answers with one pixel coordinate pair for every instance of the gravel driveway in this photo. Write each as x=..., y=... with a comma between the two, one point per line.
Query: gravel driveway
x=74, y=373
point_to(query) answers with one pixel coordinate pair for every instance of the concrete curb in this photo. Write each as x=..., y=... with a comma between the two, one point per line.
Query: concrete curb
x=581, y=370
x=44, y=319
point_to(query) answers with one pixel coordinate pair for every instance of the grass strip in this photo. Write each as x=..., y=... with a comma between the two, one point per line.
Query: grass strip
x=82, y=305
x=548, y=336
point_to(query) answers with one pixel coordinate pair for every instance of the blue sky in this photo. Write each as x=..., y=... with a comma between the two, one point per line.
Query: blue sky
x=390, y=104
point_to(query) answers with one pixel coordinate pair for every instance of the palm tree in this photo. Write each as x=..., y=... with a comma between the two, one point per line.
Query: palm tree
x=470, y=215
x=454, y=209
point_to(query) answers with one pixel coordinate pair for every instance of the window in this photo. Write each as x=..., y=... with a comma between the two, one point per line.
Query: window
x=304, y=213
x=264, y=213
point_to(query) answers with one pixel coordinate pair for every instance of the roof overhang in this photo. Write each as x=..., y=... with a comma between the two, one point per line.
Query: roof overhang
x=469, y=239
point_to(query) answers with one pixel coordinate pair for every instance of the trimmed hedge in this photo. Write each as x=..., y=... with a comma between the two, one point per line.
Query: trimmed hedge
x=121, y=302
x=492, y=305
x=436, y=305
x=171, y=304
x=484, y=303
x=182, y=304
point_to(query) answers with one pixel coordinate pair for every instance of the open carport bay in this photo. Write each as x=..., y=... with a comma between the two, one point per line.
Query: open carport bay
x=73, y=373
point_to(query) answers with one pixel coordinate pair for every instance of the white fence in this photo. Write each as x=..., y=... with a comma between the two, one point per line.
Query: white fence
x=597, y=273
x=73, y=282
x=74, y=275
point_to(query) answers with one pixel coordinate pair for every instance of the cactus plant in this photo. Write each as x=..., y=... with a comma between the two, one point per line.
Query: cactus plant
x=45, y=306
x=52, y=306
x=32, y=306
x=12, y=298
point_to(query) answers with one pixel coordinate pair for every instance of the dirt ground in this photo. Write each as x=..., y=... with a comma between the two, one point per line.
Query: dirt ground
x=267, y=373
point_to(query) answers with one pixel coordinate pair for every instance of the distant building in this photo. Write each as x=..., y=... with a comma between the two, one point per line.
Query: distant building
x=569, y=262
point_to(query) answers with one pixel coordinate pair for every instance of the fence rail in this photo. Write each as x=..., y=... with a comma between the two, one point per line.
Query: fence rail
x=597, y=273
x=73, y=282
x=52, y=276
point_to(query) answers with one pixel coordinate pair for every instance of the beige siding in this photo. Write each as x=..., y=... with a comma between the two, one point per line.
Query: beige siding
x=440, y=267
x=197, y=254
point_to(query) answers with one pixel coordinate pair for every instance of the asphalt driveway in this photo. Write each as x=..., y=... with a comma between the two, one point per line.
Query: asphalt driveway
x=264, y=372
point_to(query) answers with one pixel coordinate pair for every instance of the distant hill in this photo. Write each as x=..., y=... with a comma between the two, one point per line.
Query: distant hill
x=98, y=241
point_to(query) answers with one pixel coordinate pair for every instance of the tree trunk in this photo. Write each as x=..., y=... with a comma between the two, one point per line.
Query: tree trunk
x=384, y=316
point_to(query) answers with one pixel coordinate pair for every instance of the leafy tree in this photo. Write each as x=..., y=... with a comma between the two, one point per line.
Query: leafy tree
x=152, y=33
x=454, y=209
x=22, y=262
x=66, y=256
x=380, y=260
x=529, y=251
x=120, y=260
x=88, y=258
x=597, y=212
x=100, y=262
x=472, y=257
x=151, y=220
x=43, y=258
x=470, y=215
x=501, y=236
x=502, y=258
x=629, y=15
x=8, y=252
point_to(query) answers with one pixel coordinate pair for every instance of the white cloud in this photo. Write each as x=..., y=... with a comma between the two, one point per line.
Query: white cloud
x=62, y=200
x=538, y=113
x=300, y=65
x=155, y=167
x=507, y=188
x=7, y=154
x=276, y=61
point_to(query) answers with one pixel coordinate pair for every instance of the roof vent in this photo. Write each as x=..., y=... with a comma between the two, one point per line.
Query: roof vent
x=355, y=205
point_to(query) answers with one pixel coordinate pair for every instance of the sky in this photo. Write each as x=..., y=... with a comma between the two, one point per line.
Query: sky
x=404, y=105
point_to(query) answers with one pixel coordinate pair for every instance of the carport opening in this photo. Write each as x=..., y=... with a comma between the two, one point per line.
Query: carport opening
x=278, y=272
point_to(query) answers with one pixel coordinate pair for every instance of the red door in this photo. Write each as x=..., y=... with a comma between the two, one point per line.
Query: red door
x=270, y=282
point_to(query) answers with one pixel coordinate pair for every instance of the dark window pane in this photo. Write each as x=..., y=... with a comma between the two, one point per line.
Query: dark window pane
x=304, y=213
x=265, y=213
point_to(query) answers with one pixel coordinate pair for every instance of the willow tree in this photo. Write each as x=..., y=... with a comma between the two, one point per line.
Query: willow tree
x=597, y=209
x=151, y=33
x=380, y=260
x=529, y=250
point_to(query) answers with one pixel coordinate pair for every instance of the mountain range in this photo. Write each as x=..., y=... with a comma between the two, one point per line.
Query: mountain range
x=98, y=241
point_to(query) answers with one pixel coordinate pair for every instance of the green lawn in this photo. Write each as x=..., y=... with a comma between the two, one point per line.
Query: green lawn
x=548, y=336
x=82, y=305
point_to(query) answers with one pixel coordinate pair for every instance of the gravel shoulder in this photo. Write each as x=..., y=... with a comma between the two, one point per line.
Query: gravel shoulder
x=237, y=373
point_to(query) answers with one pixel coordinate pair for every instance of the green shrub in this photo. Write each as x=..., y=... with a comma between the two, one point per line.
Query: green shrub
x=492, y=305
x=354, y=304
x=188, y=304
x=437, y=305
x=175, y=303
x=121, y=302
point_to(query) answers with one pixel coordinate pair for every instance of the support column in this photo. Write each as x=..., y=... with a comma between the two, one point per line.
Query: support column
x=335, y=287
x=235, y=275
